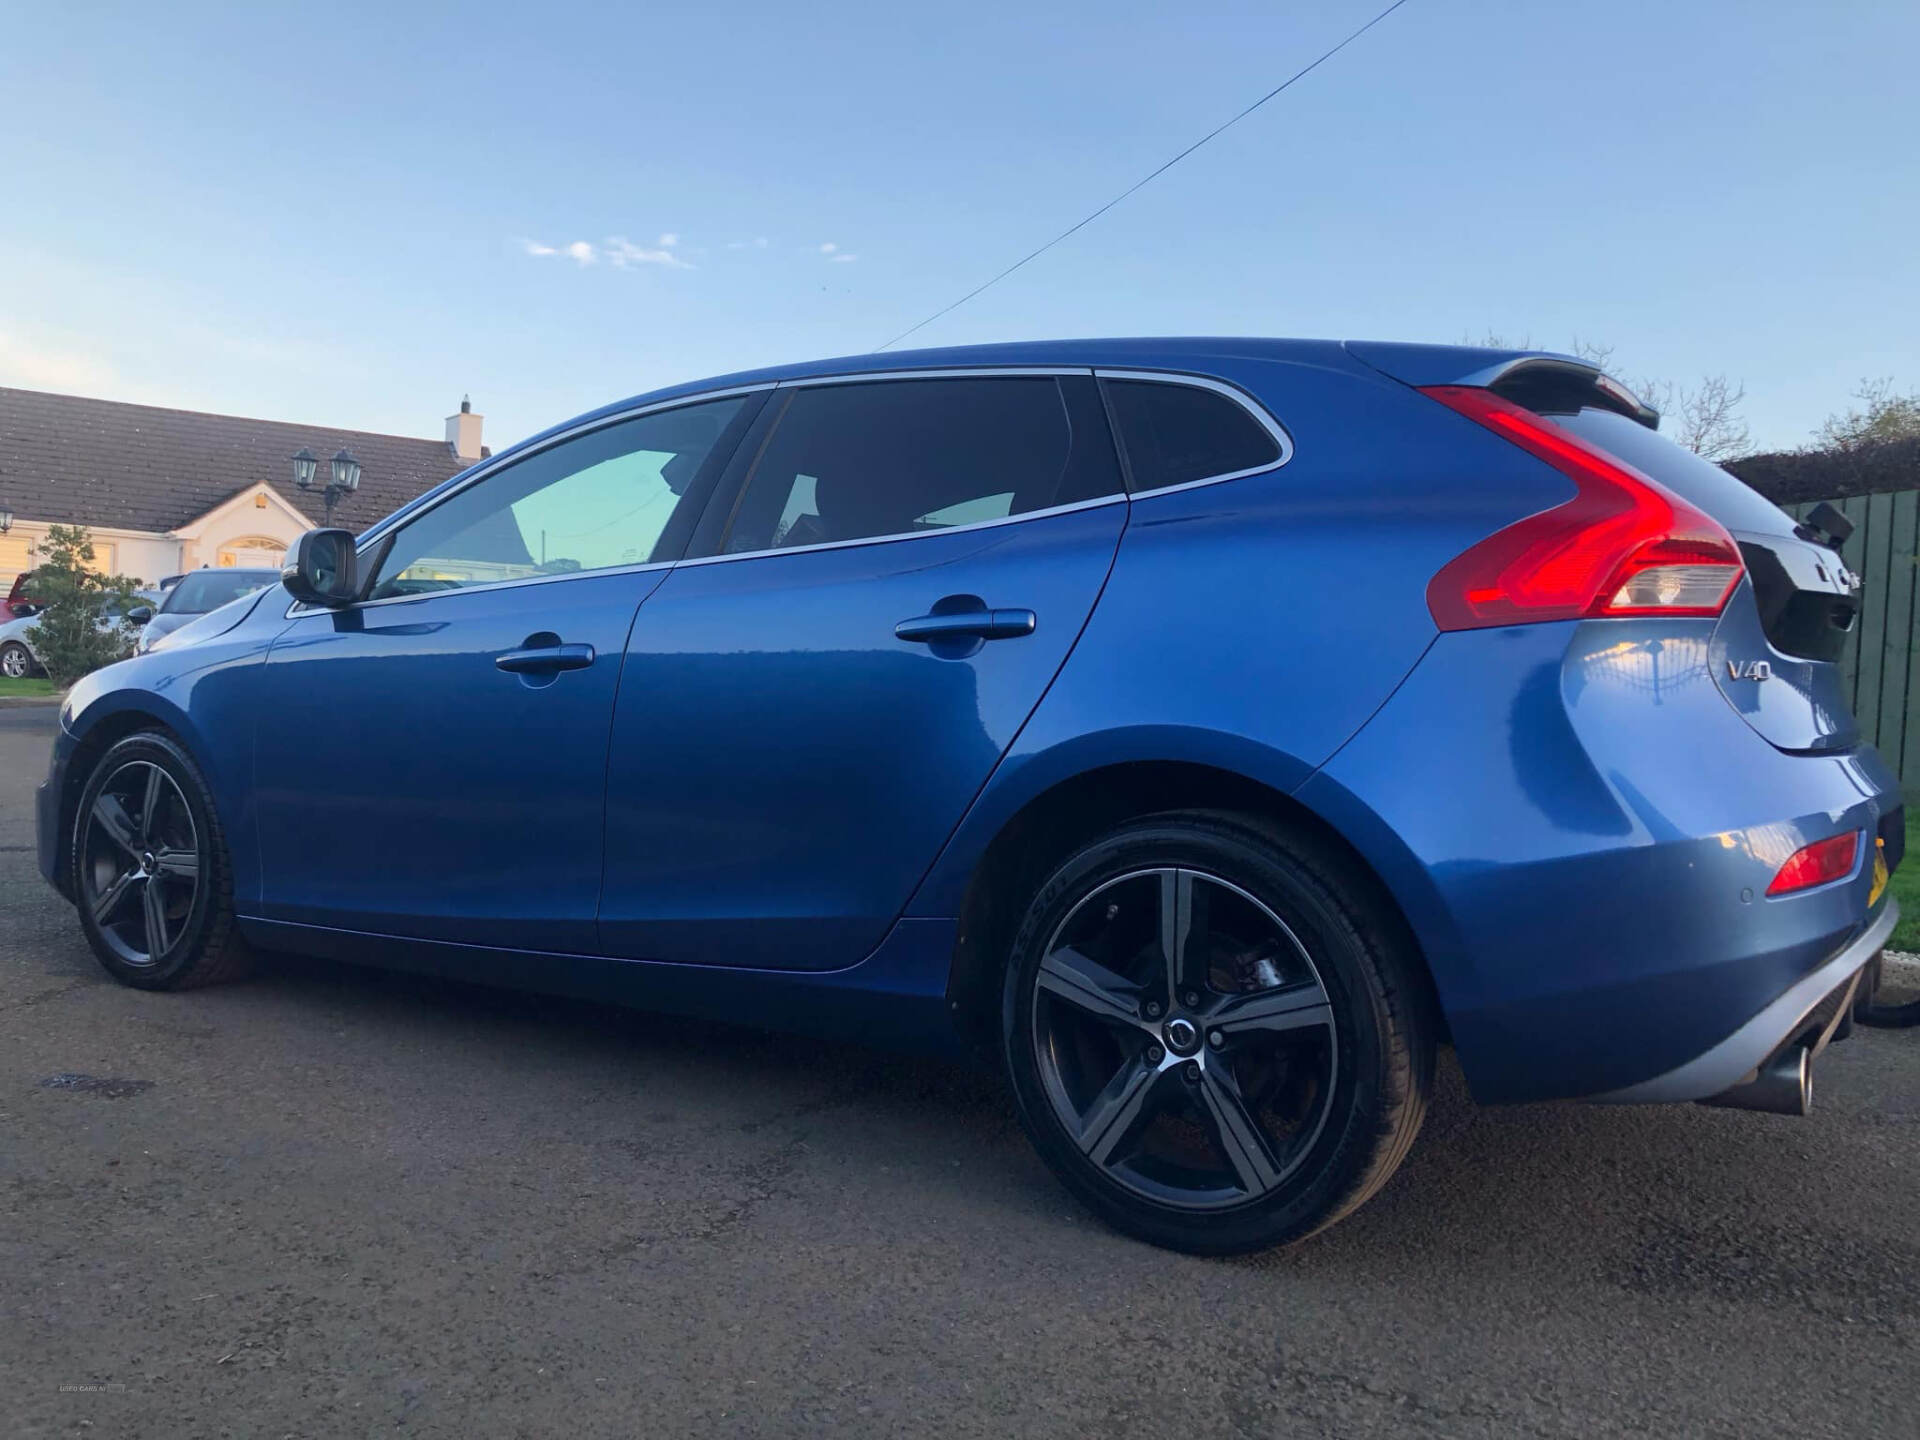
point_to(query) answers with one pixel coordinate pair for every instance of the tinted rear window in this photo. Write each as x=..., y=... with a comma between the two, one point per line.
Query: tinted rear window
x=905, y=457
x=1726, y=498
x=1176, y=434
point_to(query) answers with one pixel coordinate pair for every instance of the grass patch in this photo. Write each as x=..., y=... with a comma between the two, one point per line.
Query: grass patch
x=28, y=686
x=1906, y=889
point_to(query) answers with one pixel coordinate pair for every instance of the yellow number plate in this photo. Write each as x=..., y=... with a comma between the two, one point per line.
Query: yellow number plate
x=1879, y=873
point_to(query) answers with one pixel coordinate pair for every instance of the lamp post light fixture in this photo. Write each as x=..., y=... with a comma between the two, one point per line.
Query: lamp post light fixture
x=344, y=476
x=6, y=518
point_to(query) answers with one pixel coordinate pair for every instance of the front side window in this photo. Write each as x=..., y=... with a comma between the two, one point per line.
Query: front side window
x=597, y=502
x=1175, y=434
x=907, y=457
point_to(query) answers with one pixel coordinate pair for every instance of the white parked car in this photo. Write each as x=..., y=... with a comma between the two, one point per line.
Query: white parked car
x=19, y=659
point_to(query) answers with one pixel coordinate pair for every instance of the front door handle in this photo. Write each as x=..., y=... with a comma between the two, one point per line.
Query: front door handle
x=968, y=625
x=545, y=659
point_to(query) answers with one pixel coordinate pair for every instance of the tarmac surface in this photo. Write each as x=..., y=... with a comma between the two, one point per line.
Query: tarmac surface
x=331, y=1201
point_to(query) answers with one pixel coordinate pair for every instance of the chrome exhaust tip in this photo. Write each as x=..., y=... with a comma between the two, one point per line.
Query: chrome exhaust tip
x=1784, y=1086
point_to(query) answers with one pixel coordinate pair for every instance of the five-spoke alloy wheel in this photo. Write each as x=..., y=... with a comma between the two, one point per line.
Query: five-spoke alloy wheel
x=1214, y=1036
x=149, y=870
x=141, y=862
x=1184, y=1037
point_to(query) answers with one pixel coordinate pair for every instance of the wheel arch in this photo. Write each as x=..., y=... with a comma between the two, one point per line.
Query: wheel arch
x=96, y=730
x=1075, y=809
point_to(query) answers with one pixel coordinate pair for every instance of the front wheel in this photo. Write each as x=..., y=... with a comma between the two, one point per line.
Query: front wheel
x=16, y=661
x=1214, y=1038
x=152, y=879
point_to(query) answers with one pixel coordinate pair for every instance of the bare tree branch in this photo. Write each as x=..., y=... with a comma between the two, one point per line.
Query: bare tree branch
x=1707, y=419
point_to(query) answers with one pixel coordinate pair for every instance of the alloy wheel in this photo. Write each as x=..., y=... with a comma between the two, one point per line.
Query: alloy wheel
x=1185, y=1038
x=140, y=862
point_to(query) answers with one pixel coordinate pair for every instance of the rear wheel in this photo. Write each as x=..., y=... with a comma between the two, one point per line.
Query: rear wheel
x=152, y=879
x=1212, y=1037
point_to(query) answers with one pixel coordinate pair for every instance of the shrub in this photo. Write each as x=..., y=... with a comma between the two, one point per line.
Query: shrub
x=79, y=627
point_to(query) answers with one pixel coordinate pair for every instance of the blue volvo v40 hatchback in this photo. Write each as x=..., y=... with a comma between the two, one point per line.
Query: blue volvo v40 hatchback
x=1211, y=728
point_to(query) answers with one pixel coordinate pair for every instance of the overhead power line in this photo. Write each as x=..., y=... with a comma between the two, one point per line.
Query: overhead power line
x=1144, y=180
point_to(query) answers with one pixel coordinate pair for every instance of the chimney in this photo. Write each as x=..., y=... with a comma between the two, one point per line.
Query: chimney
x=463, y=432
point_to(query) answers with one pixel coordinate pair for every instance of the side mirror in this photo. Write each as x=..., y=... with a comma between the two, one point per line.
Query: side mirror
x=139, y=614
x=322, y=569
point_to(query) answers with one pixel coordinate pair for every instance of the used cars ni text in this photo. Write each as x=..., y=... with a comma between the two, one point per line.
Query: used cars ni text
x=1208, y=729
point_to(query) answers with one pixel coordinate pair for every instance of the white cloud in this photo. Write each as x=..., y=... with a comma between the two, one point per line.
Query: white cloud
x=622, y=253
x=617, y=250
x=844, y=259
x=828, y=248
x=39, y=367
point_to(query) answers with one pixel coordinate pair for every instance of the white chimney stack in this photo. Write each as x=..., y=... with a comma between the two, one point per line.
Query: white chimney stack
x=463, y=431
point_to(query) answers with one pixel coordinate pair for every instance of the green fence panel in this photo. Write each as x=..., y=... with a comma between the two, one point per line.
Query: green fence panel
x=1877, y=666
x=1896, y=635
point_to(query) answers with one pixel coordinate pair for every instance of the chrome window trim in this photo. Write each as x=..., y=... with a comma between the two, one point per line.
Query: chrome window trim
x=412, y=511
x=970, y=372
x=1261, y=416
x=1020, y=519
x=296, y=609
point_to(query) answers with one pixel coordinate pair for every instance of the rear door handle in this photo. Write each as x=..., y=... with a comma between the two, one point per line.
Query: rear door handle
x=545, y=659
x=968, y=624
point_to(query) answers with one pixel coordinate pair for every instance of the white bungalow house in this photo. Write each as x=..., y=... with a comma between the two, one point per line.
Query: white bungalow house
x=166, y=491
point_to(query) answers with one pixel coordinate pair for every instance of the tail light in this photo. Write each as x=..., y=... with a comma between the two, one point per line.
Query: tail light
x=1623, y=545
x=1816, y=864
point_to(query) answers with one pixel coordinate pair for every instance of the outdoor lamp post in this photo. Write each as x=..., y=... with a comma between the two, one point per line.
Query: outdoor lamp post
x=6, y=518
x=345, y=476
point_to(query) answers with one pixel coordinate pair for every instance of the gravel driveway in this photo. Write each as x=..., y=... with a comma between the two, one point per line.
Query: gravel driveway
x=333, y=1202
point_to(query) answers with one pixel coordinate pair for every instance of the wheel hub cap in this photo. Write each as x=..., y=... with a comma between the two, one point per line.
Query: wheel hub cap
x=1182, y=1037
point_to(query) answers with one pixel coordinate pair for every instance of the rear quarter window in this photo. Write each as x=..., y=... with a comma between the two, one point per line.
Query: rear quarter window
x=1177, y=434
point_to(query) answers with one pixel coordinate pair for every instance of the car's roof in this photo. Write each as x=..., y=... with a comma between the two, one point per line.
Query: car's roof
x=1197, y=353
x=1166, y=352
x=1172, y=352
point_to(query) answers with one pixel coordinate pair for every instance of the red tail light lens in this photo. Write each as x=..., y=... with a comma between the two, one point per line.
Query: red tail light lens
x=1623, y=545
x=1816, y=864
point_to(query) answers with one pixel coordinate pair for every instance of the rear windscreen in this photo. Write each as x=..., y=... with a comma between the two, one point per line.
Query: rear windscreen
x=1699, y=482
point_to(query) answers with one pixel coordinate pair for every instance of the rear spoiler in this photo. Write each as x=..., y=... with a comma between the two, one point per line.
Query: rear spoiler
x=1540, y=380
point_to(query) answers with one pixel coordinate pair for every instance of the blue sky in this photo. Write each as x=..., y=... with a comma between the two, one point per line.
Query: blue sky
x=331, y=213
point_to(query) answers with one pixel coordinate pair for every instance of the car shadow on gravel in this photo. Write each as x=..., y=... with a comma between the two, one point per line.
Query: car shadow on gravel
x=1618, y=1196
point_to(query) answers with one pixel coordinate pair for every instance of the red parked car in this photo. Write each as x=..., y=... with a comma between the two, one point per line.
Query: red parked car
x=16, y=596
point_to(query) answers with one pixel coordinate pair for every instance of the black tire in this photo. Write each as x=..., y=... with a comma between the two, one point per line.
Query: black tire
x=1185, y=1175
x=145, y=820
x=16, y=661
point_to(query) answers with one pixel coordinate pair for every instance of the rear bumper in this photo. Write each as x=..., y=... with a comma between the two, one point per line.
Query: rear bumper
x=1795, y=1017
x=1581, y=831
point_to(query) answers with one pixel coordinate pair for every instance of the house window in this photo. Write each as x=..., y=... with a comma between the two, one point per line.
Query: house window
x=251, y=552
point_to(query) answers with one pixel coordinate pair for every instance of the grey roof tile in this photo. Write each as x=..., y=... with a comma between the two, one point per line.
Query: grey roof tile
x=89, y=462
